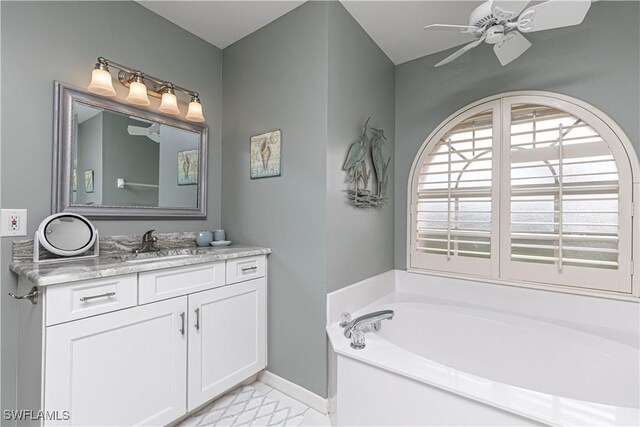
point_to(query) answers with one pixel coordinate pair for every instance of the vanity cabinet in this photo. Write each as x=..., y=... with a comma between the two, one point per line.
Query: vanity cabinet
x=227, y=338
x=188, y=336
x=123, y=368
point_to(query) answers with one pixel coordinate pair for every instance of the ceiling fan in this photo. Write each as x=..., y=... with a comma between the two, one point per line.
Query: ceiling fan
x=152, y=132
x=502, y=22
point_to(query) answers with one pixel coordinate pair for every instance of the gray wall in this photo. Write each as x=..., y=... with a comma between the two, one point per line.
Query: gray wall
x=316, y=75
x=47, y=41
x=276, y=78
x=361, y=84
x=597, y=62
x=135, y=158
x=89, y=157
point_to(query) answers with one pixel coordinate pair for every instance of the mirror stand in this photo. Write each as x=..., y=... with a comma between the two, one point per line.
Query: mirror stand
x=36, y=251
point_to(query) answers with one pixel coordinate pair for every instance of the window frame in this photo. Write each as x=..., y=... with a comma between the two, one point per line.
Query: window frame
x=500, y=245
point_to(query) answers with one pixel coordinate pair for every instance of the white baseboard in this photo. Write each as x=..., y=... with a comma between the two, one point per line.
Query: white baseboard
x=299, y=393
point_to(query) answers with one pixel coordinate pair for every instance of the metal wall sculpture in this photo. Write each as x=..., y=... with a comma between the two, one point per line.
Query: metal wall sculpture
x=364, y=155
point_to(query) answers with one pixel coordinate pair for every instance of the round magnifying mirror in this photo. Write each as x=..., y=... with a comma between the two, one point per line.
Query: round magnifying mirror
x=66, y=234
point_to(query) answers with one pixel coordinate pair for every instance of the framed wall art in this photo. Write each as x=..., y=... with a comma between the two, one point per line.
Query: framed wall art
x=188, y=167
x=88, y=181
x=266, y=160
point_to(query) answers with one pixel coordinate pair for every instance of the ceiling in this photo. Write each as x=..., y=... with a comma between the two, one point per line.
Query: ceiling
x=221, y=23
x=395, y=25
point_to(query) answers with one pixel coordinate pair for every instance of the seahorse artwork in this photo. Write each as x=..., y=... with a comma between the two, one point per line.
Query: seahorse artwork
x=365, y=151
x=186, y=165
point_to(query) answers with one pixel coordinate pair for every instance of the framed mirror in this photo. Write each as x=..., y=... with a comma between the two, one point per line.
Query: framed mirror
x=112, y=159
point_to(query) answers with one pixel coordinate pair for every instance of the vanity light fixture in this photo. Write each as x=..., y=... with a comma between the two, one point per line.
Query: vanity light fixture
x=142, y=85
x=195, y=110
x=101, y=80
x=138, y=91
x=169, y=104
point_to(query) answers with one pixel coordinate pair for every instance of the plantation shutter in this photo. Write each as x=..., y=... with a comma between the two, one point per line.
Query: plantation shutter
x=454, y=229
x=564, y=209
x=525, y=188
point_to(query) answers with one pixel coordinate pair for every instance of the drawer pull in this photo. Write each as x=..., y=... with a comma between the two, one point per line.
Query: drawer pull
x=197, y=310
x=254, y=268
x=106, y=295
x=182, y=319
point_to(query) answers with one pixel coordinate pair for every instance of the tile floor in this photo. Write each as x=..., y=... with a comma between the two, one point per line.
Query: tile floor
x=256, y=405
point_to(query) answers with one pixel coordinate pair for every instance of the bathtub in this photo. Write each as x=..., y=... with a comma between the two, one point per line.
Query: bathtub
x=464, y=353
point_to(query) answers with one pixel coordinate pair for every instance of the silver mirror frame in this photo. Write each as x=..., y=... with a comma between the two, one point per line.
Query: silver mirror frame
x=65, y=97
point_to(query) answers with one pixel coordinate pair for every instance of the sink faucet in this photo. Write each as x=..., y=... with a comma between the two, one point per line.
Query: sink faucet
x=148, y=242
x=354, y=329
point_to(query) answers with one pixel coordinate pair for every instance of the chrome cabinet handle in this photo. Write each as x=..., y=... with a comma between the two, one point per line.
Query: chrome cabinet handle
x=108, y=294
x=197, y=310
x=254, y=268
x=31, y=296
x=182, y=319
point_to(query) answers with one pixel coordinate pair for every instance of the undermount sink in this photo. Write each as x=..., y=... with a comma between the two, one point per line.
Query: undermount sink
x=158, y=258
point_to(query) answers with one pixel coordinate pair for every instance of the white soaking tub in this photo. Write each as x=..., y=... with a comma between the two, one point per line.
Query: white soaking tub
x=460, y=360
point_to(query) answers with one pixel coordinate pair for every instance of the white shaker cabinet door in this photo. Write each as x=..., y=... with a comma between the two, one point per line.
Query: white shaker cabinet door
x=119, y=369
x=227, y=338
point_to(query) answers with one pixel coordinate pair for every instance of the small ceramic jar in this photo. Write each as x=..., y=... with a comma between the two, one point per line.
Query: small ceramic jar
x=220, y=235
x=204, y=237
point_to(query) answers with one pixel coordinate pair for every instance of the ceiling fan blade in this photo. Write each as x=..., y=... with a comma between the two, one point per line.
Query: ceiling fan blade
x=137, y=130
x=505, y=10
x=458, y=53
x=553, y=14
x=155, y=137
x=512, y=45
x=451, y=27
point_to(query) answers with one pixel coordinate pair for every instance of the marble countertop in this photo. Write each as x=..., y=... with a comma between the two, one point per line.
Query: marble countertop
x=71, y=270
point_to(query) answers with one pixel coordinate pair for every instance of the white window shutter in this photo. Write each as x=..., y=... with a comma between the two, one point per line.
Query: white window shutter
x=562, y=203
x=454, y=229
x=527, y=189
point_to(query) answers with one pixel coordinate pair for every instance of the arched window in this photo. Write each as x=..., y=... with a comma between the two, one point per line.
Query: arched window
x=531, y=187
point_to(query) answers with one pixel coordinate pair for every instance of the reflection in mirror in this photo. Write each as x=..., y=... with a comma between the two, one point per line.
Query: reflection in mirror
x=68, y=233
x=122, y=160
x=65, y=234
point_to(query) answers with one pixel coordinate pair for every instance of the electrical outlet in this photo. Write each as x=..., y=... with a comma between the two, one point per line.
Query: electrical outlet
x=14, y=222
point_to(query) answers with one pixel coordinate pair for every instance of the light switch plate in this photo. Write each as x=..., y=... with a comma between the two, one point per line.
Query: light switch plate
x=13, y=222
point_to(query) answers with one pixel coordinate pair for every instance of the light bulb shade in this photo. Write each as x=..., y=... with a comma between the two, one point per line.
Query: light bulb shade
x=169, y=104
x=138, y=94
x=195, y=112
x=101, y=83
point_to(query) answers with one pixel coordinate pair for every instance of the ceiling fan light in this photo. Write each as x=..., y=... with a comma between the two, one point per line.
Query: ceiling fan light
x=194, y=113
x=169, y=104
x=101, y=82
x=138, y=94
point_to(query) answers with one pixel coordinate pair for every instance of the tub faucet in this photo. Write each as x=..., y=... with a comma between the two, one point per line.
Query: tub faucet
x=354, y=329
x=148, y=242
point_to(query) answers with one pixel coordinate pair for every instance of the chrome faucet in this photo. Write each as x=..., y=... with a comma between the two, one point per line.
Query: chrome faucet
x=148, y=243
x=354, y=329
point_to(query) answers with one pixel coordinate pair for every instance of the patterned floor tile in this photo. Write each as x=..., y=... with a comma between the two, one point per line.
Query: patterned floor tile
x=250, y=406
x=313, y=418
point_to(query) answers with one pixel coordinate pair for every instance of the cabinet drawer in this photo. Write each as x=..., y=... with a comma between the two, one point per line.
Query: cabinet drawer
x=241, y=269
x=90, y=297
x=173, y=282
